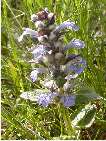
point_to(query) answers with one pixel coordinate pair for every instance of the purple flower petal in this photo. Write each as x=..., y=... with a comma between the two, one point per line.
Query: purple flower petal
x=75, y=43
x=68, y=100
x=45, y=99
x=66, y=24
x=79, y=70
x=34, y=73
x=28, y=31
x=40, y=96
x=39, y=52
x=76, y=67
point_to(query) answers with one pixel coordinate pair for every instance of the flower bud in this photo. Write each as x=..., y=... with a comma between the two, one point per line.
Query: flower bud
x=58, y=57
x=46, y=10
x=59, y=45
x=67, y=86
x=50, y=58
x=39, y=24
x=50, y=15
x=52, y=27
x=34, y=18
x=52, y=36
x=42, y=38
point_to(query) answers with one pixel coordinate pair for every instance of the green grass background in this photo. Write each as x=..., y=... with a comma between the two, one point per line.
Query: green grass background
x=25, y=120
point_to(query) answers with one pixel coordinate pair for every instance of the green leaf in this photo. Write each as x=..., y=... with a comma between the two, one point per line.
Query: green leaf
x=86, y=95
x=85, y=117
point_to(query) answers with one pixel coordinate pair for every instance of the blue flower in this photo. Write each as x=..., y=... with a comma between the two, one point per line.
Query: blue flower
x=66, y=24
x=77, y=68
x=68, y=100
x=75, y=43
x=39, y=52
x=45, y=99
x=28, y=31
x=76, y=65
x=34, y=73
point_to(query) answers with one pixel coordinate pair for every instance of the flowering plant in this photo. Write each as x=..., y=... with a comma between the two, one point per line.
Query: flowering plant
x=58, y=71
x=57, y=66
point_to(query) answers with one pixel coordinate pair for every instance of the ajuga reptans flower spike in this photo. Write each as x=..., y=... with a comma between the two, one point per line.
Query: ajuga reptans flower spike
x=58, y=68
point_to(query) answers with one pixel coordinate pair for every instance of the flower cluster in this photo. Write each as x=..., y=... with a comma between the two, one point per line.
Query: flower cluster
x=57, y=66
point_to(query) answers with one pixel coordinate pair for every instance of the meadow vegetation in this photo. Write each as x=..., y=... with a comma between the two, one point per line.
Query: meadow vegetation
x=23, y=119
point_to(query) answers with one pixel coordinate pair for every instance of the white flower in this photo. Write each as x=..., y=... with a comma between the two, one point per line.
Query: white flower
x=34, y=75
x=50, y=15
x=66, y=86
x=50, y=84
x=69, y=77
x=28, y=96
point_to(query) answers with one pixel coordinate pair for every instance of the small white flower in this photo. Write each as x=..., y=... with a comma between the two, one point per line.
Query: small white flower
x=50, y=15
x=29, y=96
x=69, y=77
x=46, y=10
x=34, y=75
x=50, y=84
x=67, y=86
